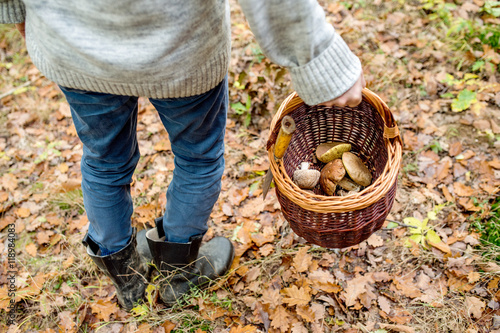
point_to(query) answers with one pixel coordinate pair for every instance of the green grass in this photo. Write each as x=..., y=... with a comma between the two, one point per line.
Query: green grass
x=487, y=223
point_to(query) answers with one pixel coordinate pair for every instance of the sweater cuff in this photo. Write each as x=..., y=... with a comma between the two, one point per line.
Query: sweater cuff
x=12, y=11
x=327, y=76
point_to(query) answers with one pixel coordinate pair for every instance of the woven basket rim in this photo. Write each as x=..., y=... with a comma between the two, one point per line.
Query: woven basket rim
x=339, y=204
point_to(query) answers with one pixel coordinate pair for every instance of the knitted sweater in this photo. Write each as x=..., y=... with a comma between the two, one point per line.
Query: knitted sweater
x=169, y=49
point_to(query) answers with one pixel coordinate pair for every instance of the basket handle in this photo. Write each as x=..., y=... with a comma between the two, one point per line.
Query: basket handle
x=391, y=129
x=293, y=101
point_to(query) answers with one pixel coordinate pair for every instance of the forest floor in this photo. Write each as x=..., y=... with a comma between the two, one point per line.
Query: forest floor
x=436, y=65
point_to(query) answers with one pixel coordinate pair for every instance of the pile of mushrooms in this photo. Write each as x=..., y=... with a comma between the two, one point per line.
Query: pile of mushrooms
x=344, y=172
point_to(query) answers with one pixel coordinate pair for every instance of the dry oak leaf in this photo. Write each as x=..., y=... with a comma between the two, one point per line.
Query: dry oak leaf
x=296, y=296
x=31, y=249
x=66, y=321
x=306, y=313
x=252, y=274
x=384, y=304
x=355, y=287
x=375, y=240
x=319, y=311
x=266, y=236
x=462, y=190
x=23, y=212
x=244, y=234
x=323, y=280
x=407, y=286
x=271, y=297
x=168, y=326
x=401, y=317
x=162, y=145
x=397, y=328
x=9, y=182
x=35, y=285
x=103, y=309
x=281, y=319
x=266, y=250
x=298, y=327
x=243, y=329
x=475, y=306
x=43, y=237
x=302, y=259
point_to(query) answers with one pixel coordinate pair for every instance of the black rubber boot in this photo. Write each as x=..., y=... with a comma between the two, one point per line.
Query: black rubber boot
x=185, y=265
x=126, y=268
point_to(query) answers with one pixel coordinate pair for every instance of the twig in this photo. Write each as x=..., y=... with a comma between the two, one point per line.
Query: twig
x=402, y=224
x=10, y=92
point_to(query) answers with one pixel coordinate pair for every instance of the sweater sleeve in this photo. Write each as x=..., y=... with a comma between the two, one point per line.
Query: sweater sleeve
x=12, y=11
x=295, y=34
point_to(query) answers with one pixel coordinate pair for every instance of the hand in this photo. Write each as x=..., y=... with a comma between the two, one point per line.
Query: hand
x=20, y=27
x=351, y=97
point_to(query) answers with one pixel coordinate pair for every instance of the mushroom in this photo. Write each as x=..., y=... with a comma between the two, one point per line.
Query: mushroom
x=355, y=168
x=347, y=184
x=331, y=174
x=306, y=178
x=329, y=151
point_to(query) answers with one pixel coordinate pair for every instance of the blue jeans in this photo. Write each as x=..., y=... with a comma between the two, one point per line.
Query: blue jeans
x=106, y=125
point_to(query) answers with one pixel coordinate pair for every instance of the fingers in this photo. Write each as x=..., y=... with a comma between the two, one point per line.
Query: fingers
x=350, y=98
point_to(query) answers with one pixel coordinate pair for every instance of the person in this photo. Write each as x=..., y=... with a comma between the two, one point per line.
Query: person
x=104, y=55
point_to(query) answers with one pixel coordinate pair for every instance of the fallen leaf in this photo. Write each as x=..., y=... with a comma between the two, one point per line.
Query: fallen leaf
x=103, y=309
x=272, y=297
x=375, y=240
x=473, y=277
x=69, y=261
x=296, y=296
x=474, y=306
x=236, y=195
x=306, y=313
x=462, y=190
x=261, y=238
x=298, y=327
x=66, y=321
x=455, y=148
x=31, y=249
x=266, y=250
x=406, y=285
x=355, y=288
x=401, y=317
x=384, y=304
x=253, y=274
x=168, y=326
x=9, y=182
x=397, y=328
x=163, y=145
x=281, y=319
x=23, y=212
x=240, y=329
x=302, y=259
x=63, y=167
x=43, y=237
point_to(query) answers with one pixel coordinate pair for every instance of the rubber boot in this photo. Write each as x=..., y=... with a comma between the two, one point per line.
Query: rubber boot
x=126, y=269
x=185, y=265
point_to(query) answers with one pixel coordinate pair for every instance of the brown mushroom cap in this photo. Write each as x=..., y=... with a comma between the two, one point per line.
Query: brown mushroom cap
x=329, y=151
x=306, y=178
x=347, y=184
x=331, y=174
x=355, y=168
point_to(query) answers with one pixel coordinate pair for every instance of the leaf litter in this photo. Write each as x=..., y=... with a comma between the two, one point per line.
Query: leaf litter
x=431, y=278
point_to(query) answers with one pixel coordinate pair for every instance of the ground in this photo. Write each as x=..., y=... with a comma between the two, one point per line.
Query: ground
x=434, y=63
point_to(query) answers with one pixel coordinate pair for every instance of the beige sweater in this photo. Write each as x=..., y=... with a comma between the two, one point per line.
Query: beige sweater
x=169, y=49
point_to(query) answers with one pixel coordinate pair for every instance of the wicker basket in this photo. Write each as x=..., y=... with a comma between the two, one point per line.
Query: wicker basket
x=337, y=221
